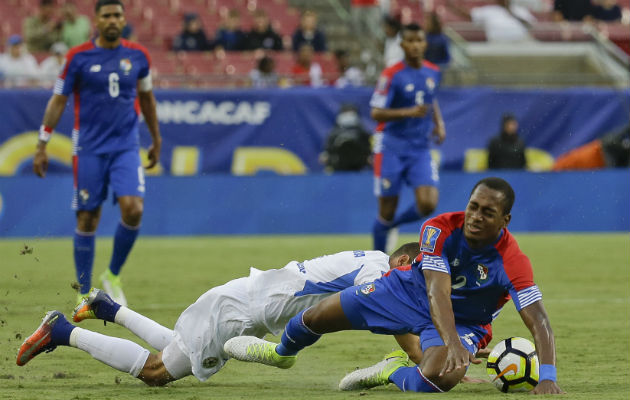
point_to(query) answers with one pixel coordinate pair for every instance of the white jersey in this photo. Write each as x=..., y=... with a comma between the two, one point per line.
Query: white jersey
x=265, y=301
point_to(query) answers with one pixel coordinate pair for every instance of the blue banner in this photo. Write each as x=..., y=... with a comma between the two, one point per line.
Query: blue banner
x=284, y=130
x=315, y=203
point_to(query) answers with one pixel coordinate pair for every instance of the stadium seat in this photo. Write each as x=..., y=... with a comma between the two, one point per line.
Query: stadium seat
x=538, y=160
x=475, y=160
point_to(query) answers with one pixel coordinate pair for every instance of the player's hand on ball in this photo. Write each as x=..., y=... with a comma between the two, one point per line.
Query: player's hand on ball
x=547, y=387
x=40, y=163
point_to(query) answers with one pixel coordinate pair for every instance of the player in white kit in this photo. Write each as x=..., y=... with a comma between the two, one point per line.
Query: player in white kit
x=256, y=305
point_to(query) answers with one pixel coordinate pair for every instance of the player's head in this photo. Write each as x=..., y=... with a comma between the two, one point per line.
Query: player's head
x=413, y=42
x=488, y=211
x=110, y=19
x=404, y=255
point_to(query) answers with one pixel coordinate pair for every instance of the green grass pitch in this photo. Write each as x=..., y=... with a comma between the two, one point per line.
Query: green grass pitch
x=584, y=279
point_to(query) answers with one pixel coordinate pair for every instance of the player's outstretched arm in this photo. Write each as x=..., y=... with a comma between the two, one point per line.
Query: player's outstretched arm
x=148, y=108
x=54, y=109
x=535, y=318
x=441, y=307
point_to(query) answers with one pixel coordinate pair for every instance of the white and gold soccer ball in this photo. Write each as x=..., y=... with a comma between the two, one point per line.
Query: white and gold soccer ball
x=513, y=365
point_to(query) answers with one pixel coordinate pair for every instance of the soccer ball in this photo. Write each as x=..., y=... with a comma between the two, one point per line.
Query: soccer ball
x=513, y=365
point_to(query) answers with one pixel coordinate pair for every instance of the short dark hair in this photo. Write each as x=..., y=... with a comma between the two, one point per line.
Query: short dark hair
x=413, y=27
x=101, y=3
x=412, y=249
x=500, y=185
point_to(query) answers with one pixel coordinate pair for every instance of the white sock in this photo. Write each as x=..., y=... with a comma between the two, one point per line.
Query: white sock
x=146, y=329
x=122, y=354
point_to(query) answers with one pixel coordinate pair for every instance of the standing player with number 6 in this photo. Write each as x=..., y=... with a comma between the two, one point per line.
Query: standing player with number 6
x=106, y=75
x=405, y=106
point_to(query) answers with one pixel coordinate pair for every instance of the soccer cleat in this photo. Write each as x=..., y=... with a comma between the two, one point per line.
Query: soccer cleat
x=40, y=340
x=253, y=349
x=113, y=287
x=95, y=305
x=376, y=375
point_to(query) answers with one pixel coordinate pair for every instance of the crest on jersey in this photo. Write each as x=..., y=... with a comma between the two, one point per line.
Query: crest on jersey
x=125, y=65
x=386, y=183
x=382, y=84
x=367, y=289
x=84, y=195
x=429, y=238
x=95, y=68
x=409, y=87
x=483, y=272
x=430, y=84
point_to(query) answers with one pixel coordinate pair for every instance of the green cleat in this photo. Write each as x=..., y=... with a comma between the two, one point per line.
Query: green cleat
x=376, y=375
x=113, y=287
x=253, y=349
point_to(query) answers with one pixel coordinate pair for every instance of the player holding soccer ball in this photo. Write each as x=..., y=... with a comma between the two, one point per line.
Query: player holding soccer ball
x=255, y=305
x=469, y=267
x=105, y=75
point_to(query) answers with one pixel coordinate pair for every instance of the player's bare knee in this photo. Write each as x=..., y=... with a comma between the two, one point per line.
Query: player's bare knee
x=154, y=372
x=132, y=213
x=445, y=382
x=426, y=206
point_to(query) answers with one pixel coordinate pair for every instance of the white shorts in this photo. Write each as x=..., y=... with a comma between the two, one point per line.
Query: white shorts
x=203, y=328
x=175, y=361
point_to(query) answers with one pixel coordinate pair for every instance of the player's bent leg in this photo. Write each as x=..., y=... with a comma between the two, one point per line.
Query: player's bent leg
x=131, y=209
x=432, y=363
x=166, y=366
x=383, y=223
x=426, y=199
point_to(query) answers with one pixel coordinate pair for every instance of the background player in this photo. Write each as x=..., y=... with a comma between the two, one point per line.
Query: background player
x=408, y=113
x=105, y=75
x=469, y=266
x=256, y=305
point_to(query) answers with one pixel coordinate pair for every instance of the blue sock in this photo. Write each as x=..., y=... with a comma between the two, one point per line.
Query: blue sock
x=106, y=310
x=409, y=215
x=296, y=336
x=379, y=233
x=124, y=239
x=411, y=379
x=84, y=258
x=60, y=333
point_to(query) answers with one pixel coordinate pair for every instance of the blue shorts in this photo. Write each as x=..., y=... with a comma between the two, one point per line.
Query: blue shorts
x=391, y=170
x=389, y=306
x=93, y=173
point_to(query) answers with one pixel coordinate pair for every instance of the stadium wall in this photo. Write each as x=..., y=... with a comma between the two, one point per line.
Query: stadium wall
x=313, y=203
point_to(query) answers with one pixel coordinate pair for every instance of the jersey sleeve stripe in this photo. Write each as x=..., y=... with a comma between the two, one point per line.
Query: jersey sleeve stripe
x=528, y=296
x=59, y=83
x=434, y=263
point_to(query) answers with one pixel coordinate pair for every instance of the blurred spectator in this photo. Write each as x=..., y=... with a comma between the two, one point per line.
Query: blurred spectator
x=437, y=42
x=17, y=66
x=50, y=68
x=230, y=37
x=262, y=35
x=612, y=151
x=308, y=33
x=305, y=71
x=127, y=32
x=607, y=11
x=538, y=6
x=366, y=18
x=75, y=28
x=507, y=149
x=393, y=53
x=43, y=29
x=192, y=37
x=572, y=10
x=348, y=144
x=502, y=22
x=348, y=74
x=264, y=76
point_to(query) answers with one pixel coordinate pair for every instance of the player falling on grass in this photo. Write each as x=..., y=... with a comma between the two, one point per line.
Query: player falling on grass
x=105, y=75
x=469, y=264
x=408, y=115
x=256, y=305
